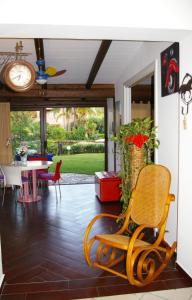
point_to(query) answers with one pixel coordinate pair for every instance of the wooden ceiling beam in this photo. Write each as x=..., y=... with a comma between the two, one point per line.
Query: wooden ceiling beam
x=62, y=93
x=39, y=48
x=105, y=44
x=38, y=103
x=76, y=86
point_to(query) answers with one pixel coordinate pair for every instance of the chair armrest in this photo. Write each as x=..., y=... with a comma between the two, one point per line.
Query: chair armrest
x=100, y=216
x=172, y=197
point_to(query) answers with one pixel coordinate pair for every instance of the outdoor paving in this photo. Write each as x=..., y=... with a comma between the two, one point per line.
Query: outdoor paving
x=72, y=178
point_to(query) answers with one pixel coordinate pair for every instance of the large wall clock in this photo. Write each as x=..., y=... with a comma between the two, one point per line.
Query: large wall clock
x=19, y=75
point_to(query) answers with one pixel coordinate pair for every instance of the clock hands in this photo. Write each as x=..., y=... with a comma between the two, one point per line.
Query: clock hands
x=15, y=77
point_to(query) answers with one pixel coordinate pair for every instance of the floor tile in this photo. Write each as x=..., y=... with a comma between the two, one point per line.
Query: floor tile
x=31, y=287
x=122, y=297
x=64, y=295
x=43, y=253
x=13, y=297
x=176, y=294
x=150, y=296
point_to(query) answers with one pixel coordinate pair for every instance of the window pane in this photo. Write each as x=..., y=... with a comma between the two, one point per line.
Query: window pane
x=25, y=127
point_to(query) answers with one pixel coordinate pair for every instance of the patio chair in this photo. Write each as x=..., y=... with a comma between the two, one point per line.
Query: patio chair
x=52, y=176
x=15, y=180
x=148, y=208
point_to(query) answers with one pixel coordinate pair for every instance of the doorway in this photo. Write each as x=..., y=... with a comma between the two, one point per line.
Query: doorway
x=142, y=98
x=76, y=135
x=68, y=131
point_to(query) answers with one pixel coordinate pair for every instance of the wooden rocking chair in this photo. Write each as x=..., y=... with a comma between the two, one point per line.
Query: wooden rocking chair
x=148, y=208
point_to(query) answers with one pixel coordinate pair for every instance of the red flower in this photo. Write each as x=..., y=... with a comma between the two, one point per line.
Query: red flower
x=137, y=140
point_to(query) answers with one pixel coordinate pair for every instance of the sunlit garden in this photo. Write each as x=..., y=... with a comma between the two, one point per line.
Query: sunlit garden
x=75, y=135
x=87, y=163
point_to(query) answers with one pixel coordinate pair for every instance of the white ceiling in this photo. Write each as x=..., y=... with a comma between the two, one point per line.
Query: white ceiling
x=77, y=57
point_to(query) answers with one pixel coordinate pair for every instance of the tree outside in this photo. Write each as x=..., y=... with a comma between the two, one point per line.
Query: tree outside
x=69, y=131
x=25, y=126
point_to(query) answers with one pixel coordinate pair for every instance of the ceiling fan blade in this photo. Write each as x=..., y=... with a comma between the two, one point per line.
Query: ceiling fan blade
x=61, y=72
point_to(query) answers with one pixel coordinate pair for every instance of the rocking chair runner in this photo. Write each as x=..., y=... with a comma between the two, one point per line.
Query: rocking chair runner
x=148, y=208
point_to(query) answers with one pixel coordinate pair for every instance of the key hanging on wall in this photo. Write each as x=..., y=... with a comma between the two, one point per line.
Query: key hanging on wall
x=185, y=121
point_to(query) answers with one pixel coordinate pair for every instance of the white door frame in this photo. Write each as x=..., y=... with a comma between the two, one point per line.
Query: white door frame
x=126, y=114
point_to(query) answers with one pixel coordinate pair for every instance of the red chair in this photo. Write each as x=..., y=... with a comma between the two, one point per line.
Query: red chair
x=55, y=177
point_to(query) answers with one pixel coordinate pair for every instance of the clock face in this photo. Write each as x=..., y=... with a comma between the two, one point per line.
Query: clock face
x=19, y=75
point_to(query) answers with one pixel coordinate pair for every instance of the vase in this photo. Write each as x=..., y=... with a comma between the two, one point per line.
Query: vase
x=24, y=159
x=137, y=163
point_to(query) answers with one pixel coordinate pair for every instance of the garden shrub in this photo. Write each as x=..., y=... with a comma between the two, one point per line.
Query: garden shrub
x=84, y=148
x=56, y=132
x=76, y=134
x=100, y=127
x=52, y=146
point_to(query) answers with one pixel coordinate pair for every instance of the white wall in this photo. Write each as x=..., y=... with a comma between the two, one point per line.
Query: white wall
x=171, y=13
x=184, y=250
x=109, y=19
x=167, y=121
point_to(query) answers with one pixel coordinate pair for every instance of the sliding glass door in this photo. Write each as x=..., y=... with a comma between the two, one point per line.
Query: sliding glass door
x=25, y=128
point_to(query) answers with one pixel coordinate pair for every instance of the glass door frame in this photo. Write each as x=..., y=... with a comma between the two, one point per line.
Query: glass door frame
x=42, y=110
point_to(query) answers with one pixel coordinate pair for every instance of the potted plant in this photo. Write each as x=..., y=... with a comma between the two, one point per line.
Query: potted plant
x=136, y=143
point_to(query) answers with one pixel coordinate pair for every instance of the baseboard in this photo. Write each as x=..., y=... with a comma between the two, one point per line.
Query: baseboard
x=178, y=267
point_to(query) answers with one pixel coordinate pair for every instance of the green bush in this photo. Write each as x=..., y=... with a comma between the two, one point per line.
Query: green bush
x=101, y=136
x=94, y=148
x=76, y=134
x=84, y=148
x=76, y=148
x=56, y=132
x=52, y=146
x=99, y=122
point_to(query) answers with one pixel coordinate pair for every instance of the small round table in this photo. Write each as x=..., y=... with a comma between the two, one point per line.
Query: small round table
x=13, y=177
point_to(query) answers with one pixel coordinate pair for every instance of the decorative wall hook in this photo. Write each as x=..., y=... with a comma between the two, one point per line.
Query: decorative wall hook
x=185, y=91
x=187, y=110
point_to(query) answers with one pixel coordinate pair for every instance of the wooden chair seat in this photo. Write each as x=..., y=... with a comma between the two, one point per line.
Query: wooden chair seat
x=119, y=241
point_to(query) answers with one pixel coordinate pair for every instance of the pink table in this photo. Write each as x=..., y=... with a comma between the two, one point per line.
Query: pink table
x=13, y=177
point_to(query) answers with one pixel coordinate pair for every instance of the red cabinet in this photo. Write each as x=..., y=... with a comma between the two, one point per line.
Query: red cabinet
x=107, y=186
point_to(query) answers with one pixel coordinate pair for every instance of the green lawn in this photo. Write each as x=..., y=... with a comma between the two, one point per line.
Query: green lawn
x=87, y=163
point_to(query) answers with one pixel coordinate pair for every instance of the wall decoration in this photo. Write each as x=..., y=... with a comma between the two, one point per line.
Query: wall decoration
x=186, y=95
x=170, y=70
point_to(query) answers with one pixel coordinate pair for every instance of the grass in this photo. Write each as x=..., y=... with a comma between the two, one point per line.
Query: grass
x=87, y=163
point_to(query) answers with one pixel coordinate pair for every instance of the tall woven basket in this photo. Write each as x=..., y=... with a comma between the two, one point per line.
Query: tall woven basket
x=137, y=163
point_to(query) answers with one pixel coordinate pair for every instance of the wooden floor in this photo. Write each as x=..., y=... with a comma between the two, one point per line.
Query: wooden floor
x=42, y=249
